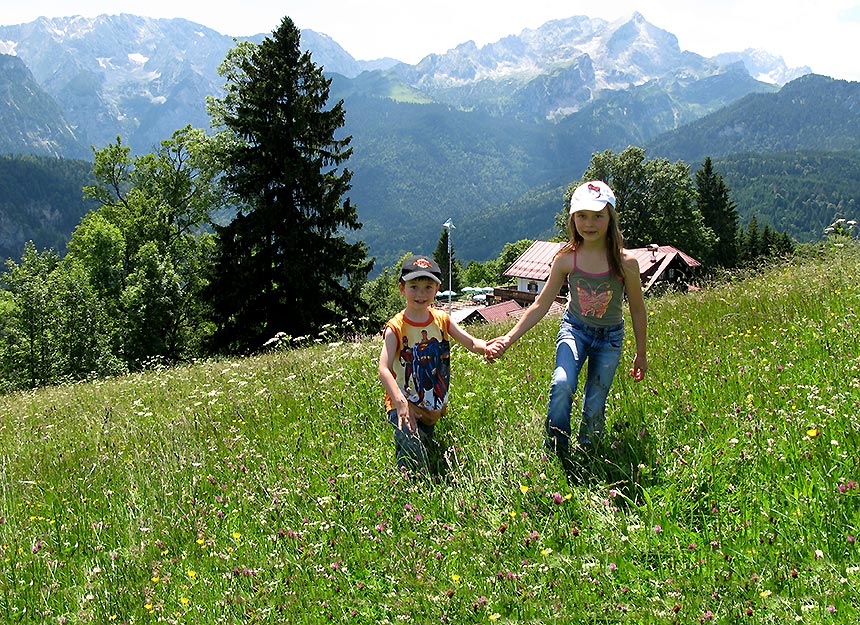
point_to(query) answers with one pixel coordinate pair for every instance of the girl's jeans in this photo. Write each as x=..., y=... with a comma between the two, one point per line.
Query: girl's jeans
x=410, y=448
x=577, y=342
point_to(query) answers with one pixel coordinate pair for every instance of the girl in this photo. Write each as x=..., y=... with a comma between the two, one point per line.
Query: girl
x=599, y=272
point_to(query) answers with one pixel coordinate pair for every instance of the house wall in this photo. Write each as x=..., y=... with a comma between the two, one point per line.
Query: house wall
x=526, y=285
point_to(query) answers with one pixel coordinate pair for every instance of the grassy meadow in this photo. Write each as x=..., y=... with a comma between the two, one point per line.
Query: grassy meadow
x=264, y=490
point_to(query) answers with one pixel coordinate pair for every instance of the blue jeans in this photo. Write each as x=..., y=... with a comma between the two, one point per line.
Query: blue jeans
x=410, y=448
x=576, y=343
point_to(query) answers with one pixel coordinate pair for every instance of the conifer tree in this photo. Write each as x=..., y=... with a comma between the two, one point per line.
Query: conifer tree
x=284, y=263
x=719, y=212
x=441, y=256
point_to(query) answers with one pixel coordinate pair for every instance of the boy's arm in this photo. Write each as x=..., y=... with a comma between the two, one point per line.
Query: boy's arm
x=390, y=348
x=478, y=346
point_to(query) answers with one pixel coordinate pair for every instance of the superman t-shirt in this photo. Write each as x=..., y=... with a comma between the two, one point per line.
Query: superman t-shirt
x=423, y=369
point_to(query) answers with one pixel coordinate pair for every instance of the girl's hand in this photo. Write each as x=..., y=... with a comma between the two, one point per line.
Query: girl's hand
x=640, y=366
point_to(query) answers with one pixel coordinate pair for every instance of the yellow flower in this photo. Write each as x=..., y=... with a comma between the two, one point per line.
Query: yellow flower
x=495, y=616
x=236, y=536
x=545, y=552
x=192, y=574
x=524, y=489
x=155, y=579
x=148, y=607
x=765, y=593
x=455, y=578
x=184, y=600
x=812, y=433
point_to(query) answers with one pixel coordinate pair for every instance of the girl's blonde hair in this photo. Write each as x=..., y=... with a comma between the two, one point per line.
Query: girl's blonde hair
x=614, y=241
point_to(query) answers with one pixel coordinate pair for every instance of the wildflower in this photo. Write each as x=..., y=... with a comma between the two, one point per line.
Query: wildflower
x=455, y=578
x=546, y=551
x=812, y=432
x=557, y=498
x=184, y=600
x=831, y=609
x=236, y=536
x=765, y=594
x=657, y=529
x=524, y=489
x=495, y=616
x=192, y=574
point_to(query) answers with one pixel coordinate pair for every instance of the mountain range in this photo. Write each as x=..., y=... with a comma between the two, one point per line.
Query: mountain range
x=459, y=135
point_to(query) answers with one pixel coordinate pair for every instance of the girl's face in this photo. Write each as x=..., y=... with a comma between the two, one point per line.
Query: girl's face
x=419, y=293
x=592, y=225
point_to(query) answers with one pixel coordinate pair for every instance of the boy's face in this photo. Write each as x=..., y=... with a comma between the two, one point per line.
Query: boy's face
x=420, y=292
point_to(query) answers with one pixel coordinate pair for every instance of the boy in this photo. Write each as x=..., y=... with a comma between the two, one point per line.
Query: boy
x=415, y=365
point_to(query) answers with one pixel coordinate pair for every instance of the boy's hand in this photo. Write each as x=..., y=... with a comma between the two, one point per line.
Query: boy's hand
x=407, y=421
x=405, y=418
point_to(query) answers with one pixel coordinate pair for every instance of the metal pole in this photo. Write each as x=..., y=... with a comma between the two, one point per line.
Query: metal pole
x=450, y=225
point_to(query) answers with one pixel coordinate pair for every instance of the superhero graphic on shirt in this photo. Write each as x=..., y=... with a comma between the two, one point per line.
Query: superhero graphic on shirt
x=428, y=371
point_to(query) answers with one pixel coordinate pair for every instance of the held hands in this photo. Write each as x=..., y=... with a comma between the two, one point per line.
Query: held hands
x=497, y=347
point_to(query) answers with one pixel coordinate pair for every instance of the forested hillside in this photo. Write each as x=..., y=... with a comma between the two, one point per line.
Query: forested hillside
x=797, y=192
x=810, y=113
x=41, y=199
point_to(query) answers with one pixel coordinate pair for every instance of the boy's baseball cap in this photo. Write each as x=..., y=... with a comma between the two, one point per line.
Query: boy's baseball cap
x=420, y=267
x=591, y=196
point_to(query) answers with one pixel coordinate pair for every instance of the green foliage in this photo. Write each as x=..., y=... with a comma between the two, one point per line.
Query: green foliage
x=727, y=490
x=282, y=265
x=146, y=250
x=446, y=257
x=655, y=200
x=41, y=201
x=810, y=113
x=53, y=326
x=481, y=274
x=714, y=202
x=800, y=193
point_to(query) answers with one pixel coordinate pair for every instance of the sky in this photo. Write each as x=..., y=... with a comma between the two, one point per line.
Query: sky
x=823, y=35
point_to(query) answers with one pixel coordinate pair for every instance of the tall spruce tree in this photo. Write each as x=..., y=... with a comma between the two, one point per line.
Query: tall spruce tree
x=284, y=264
x=719, y=212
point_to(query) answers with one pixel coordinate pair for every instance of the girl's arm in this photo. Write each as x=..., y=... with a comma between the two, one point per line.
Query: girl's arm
x=636, y=302
x=390, y=349
x=561, y=266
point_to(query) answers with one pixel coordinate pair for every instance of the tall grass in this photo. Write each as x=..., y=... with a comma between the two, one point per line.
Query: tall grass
x=265, y=489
